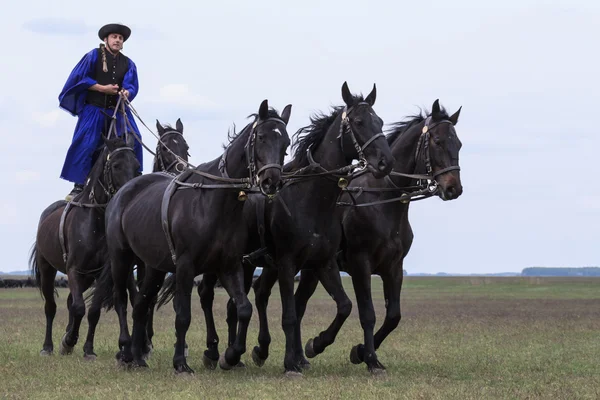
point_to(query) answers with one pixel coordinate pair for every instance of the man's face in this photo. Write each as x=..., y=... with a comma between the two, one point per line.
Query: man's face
x=114, y=42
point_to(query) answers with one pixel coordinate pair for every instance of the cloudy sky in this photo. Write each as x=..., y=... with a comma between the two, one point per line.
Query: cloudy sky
x=525, y=73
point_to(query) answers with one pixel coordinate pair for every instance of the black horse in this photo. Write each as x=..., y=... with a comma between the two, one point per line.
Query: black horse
x=168, y=225
x=377, y=232
x=70, y=238
x=299, y=229
x=171, y=157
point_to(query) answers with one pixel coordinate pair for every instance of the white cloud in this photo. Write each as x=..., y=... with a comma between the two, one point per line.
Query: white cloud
x=180, y=94
x=47, y=119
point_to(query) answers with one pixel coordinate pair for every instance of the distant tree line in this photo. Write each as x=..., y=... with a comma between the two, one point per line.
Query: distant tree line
x=543, y=271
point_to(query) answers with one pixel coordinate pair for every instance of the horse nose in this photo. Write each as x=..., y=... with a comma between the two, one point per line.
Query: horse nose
x=267, y=185
x=382, y=164
x=453, y=191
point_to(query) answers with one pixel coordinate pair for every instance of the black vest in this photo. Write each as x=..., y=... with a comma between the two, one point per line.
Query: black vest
x=117, y=68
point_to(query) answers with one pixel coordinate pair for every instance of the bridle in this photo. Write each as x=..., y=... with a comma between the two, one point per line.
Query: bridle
x=427, y=184
x=423, y=144
x=346, y=127
x=177, y=163
x=250, y=149
x=109, y=189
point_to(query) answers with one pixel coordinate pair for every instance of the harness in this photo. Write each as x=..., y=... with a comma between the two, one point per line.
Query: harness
x=341, y=175
x=248, y=184
x=108, y=188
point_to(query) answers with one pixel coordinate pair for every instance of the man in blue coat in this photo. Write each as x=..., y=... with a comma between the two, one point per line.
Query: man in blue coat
x=91, y=93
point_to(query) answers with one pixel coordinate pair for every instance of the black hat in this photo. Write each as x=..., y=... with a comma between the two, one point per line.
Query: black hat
x=114, y=28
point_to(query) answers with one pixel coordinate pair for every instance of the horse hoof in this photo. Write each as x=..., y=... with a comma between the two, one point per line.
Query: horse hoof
x=46, y=352
x=304, y=364
x=240, y=365
x=293, y=374
x=354, y=357
x=64, y=348
x=209, y=363
x=223, y=363
x=378, y=372
x=256, y=358
x=140, y=364
x=184, y=370
x=90, y=357
x=121, y=364
x=309, y=350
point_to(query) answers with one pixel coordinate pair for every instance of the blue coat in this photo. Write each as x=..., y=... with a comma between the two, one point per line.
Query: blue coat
x=90, y=118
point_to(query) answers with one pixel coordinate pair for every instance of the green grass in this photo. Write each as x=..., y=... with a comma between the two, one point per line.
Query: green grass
x=465, y=338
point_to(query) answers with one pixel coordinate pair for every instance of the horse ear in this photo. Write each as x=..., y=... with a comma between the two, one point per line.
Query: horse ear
x=371, y=97
x=285, y=115
x=435, y=109
x=159, y=128
x=454, y=117
x=263, y=111
x=130, y=140
x=347, y=96
x=179, y=125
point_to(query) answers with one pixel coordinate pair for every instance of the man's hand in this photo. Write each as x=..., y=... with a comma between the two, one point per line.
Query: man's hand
x=111, y=89
x=125, y=93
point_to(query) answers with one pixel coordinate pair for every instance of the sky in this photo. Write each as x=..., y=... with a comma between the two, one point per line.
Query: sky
x=525, y=73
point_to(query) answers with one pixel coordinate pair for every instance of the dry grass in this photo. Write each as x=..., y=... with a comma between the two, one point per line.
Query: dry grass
x=467, y=338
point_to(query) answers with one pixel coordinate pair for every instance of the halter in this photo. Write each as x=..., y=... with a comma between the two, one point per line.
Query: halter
x=179, y=166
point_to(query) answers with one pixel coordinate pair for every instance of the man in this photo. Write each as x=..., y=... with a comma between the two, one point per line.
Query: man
x=91, y=93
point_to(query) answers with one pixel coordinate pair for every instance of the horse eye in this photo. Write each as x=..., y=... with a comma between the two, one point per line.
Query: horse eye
x=358, y=121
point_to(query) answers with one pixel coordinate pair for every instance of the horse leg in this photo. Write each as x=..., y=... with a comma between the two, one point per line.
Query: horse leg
x=206, y=292
x=286, y=272
x=121, y=265
x=93, y=318
x=184, y=281
x=232, y=320
x=69, y=304
x=132, y=288
x=361, y=279
x=392, y=285
x=262, y=292
x=47, y=276
x=307, y=286
x=148, y=291
x=234, y=284
x=332, y=282
x=77, y=284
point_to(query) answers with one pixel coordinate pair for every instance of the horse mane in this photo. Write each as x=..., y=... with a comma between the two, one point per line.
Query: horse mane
x=232, y=134
x=315, y=132
x=398, y=128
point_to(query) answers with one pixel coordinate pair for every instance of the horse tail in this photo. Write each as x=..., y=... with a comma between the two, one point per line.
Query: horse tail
x=34, y=269
x=103, y=288
x=167, y=292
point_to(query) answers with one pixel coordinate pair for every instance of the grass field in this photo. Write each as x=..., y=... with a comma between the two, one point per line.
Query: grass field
x=466, y=338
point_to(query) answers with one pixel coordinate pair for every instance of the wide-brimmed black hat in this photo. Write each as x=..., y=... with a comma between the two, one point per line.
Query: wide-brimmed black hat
x=114, y=28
